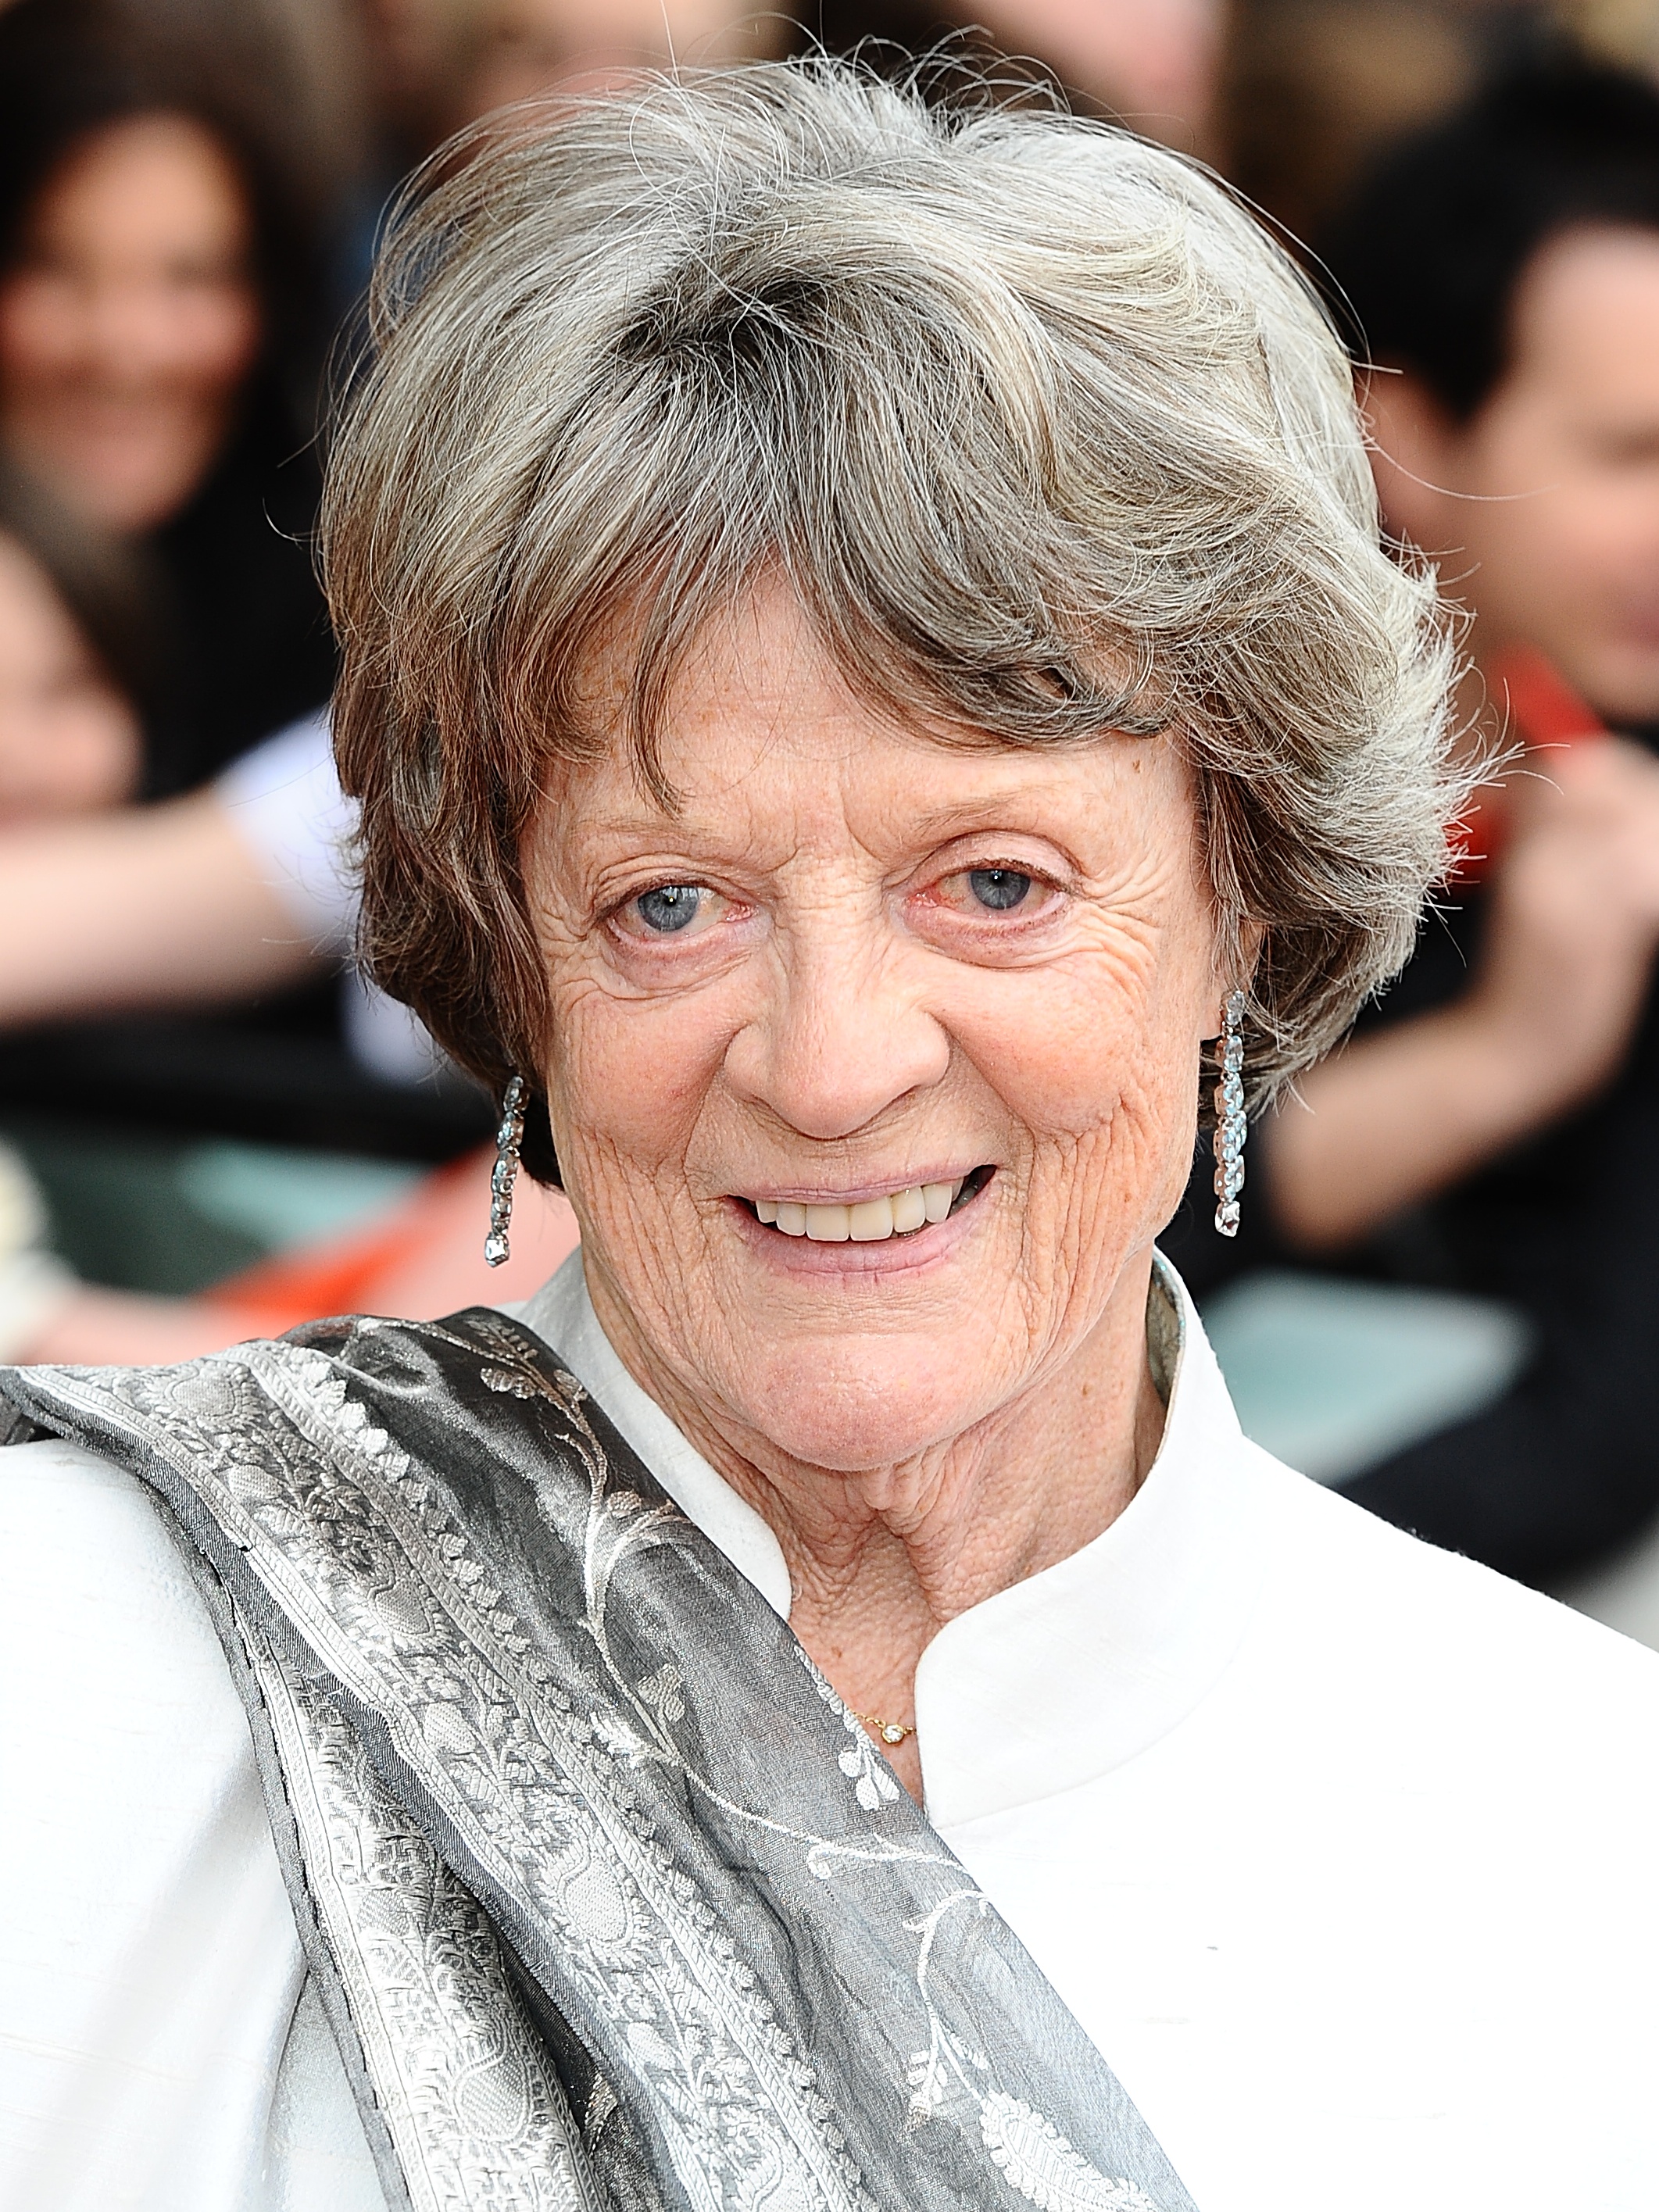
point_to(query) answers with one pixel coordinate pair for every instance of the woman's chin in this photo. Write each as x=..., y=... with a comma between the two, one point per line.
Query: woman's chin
x=852, y=1406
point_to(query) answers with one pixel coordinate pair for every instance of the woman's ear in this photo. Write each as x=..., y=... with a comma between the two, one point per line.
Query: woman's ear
x=1414, y=458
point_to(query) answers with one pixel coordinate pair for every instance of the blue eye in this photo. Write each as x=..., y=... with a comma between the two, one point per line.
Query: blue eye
x=1002, y=890
x=669, y=908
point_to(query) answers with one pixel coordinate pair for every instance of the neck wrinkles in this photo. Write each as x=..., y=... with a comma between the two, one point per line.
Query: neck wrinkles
x=880, y=1560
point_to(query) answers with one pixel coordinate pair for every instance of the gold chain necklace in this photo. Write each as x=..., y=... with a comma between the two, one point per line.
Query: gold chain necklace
x=889, y=1731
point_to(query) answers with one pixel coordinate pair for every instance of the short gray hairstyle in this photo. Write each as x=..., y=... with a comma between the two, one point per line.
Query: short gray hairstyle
x=1049, y=437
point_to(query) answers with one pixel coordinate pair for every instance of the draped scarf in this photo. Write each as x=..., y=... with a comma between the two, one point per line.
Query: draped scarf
x=612, y=1904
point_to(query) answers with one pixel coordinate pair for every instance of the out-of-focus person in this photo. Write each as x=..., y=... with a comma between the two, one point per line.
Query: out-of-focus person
x=258, y=862
x=160, y=308
x=443, y=63
x=75, y=660
x=1503, y=271
x=1151, y=64
x=163, y=321
x=1494, y=1126
x=1310, y=94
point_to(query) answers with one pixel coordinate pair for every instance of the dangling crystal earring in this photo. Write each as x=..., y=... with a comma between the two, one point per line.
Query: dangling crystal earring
x=505, y=1174
x=1230, y=1128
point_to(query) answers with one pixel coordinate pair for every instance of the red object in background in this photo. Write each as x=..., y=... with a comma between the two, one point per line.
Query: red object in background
x=1540, y=709
x=424, y=1255
x=1543, y=707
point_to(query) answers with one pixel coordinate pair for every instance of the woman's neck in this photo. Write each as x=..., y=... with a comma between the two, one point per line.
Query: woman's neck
x=881, y=1558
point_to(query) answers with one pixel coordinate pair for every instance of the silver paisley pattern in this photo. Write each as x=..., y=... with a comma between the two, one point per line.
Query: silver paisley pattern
x=614, y=1906
x=475, y=2112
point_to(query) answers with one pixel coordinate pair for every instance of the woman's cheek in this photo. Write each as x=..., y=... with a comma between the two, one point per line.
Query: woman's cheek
x=1098, y=1064
x=1059, y=1045
x=633, y=1074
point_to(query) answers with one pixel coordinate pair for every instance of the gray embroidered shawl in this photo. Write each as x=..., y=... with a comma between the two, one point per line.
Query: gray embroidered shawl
x=613, y=1906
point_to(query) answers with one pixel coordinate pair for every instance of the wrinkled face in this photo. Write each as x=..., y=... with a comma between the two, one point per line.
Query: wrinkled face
x=69, y=742
x=1547, y=503
x=130, y=322
x=874, y=1065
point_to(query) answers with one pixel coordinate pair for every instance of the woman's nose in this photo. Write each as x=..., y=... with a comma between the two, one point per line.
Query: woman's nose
x=841, y=1038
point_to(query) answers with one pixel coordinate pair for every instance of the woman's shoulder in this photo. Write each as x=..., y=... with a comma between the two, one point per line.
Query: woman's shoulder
x=74, y=1527
x=151, y=1940
x=1442, y=1636
x=107, y=1650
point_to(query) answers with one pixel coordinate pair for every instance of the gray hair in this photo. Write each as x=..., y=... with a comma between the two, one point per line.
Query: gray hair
x=1049, y=435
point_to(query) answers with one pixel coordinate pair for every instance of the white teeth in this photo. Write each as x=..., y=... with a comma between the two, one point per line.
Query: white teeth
x=910, y=1210
x=939, y=1198
x=871, y=1221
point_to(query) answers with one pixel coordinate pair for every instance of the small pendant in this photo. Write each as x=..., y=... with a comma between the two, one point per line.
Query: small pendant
x=885, y=1731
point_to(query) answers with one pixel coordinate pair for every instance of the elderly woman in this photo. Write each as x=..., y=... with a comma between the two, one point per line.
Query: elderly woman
x=870, y=675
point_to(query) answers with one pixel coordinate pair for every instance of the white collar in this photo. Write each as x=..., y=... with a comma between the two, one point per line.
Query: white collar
x=562, y=1314
x=1064, y=1676
x=1074, y=1671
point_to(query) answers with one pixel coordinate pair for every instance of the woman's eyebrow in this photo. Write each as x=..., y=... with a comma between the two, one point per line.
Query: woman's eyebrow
x=966, y=814
x=989, y=810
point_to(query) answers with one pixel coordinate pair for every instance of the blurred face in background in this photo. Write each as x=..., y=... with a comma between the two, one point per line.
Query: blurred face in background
x=528, y=46
x=1545, y=506
x=130, y=322
x=1154, y=61
x=444, y=63
x=69, y=742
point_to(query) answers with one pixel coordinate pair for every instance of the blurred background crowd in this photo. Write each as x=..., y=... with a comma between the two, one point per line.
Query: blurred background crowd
x=1446, y=1296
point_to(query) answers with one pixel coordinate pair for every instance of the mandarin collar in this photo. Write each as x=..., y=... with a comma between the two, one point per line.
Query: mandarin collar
x=1077, y=1669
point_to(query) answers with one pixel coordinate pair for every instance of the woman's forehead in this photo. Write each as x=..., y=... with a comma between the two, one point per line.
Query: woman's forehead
x=759, y=720
x=757, y=640
x=761, y=660
x=756, y=790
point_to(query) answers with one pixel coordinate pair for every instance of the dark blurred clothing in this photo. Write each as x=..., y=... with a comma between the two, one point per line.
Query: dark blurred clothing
x=1565, y=1228
x=249, y=649
x=243, y=649
x=274, y=1072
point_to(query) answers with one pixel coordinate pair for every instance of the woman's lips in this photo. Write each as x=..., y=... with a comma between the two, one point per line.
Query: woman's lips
x=871, y=1221
x=900, y=1213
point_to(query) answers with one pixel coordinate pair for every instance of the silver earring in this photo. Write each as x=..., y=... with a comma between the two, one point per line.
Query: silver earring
x=1230, y=1128
x=508, y=1137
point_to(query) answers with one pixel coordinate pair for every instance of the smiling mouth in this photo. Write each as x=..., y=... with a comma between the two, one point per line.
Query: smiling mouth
x=872, y=1220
